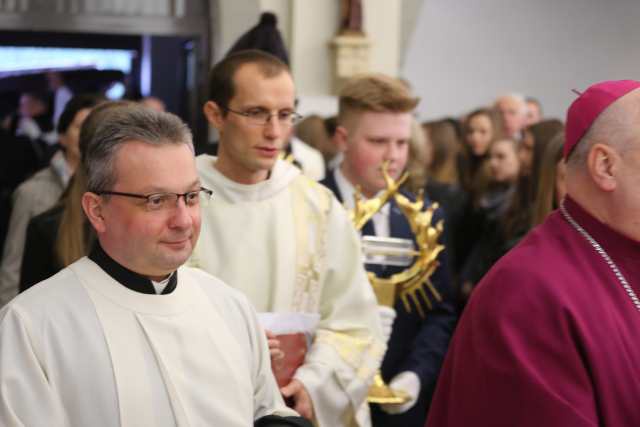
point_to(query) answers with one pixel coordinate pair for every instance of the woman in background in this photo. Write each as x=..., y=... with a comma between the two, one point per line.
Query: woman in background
x=442, y=181
x=418, y=158
x=504, y=165
x=505, y=168
x=480, y=129
x=443, y=148
x=551, y=187
x=61, y=235
x=518, y=218
x=57, y=237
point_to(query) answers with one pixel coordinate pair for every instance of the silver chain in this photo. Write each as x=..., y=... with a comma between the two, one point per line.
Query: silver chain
x=599, y=249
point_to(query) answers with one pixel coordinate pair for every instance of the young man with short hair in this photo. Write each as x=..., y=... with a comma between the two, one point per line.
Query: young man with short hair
x=284, y=241
x=374, y=127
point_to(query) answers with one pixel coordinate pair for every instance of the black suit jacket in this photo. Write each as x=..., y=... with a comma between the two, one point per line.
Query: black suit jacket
x=417, y=344
x=39, y=261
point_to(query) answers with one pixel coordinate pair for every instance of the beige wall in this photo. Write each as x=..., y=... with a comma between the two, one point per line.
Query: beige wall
x=382, y=25
x=313, y=26
x=410, y=14
x=464, y=54
x=230, y=19
x=308, y=28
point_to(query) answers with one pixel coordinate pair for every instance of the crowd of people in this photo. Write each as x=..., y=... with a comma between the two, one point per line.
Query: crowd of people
x=496, y=171
x=136, y=276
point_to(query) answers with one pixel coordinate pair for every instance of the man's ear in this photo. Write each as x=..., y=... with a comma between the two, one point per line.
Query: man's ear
x=92, y=206
x=602, y=162
x=340, y=138
x=213, y=113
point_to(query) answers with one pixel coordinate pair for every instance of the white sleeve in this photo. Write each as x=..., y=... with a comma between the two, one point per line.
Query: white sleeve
x=348, y=347
x=27, y=398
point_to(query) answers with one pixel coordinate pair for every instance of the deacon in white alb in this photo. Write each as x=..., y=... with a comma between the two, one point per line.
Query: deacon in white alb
x=284, y=240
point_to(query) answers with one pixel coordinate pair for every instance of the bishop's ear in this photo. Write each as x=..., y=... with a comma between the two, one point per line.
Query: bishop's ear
x=92, y=205
x=213, y=113
x=602, y=163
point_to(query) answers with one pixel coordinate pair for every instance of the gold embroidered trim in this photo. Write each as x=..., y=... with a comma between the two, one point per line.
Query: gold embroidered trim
x=311, y=229
x=363, y=355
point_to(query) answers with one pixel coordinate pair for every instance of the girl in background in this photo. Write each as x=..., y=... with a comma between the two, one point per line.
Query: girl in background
x=61, y=235
x=551, y=187
x=504, y=165
x=480, y=129
x=518, y=218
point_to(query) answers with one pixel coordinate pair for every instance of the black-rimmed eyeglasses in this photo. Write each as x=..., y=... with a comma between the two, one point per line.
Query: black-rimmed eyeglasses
x=161, y=201
x=261, y=117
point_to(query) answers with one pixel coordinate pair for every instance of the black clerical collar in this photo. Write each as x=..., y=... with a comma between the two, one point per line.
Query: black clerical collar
x=132, y=280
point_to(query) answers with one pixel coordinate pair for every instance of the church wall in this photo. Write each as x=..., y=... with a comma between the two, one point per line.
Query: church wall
x=307, y=28
x=464, y=53
x=229, y=20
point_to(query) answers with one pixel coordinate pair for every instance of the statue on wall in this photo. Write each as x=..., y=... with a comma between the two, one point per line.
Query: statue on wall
x=351, y=46
x=351, y=17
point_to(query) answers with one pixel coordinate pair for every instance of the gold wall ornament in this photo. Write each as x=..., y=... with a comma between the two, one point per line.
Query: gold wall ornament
x=409, y=284
x=350, y=56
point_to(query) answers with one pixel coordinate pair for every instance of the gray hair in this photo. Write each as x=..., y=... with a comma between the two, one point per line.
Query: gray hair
x=518, y=97
x=113, y=124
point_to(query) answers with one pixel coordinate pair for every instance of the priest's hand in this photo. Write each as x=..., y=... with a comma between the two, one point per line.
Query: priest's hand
x=405, y=382
x=301, y=399
x=274, y=347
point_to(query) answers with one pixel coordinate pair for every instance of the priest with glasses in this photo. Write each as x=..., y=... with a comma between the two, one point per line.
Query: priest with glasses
x=128, y=336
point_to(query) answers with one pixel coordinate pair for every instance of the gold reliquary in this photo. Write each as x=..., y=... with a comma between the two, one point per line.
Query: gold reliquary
x=411, y=285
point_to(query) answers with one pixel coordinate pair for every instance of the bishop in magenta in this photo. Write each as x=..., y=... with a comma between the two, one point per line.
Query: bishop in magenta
x=551, y=336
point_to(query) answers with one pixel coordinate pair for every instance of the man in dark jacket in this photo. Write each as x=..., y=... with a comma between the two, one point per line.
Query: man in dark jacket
x=374, y=126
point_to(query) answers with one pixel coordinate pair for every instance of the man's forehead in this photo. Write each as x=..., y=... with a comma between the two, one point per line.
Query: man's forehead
x=144, y=167
x=251, y=84
x=386, y=116
x=511, y=102
x=142, y=153
x=374, y=123
x=254, y=69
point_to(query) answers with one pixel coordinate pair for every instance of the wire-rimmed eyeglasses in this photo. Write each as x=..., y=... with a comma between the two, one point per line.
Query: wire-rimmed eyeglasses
x=261, y=116
x=162, y=201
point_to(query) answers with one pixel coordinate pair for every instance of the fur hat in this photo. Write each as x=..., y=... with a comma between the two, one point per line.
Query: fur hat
x=265, y=36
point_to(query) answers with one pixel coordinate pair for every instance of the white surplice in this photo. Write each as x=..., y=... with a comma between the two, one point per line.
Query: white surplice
x=81, y=349
x=289, y=246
